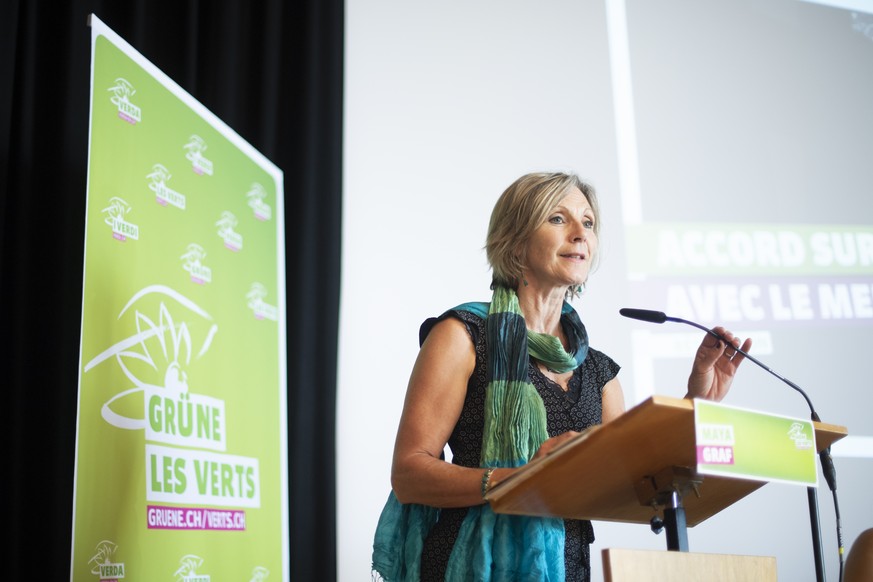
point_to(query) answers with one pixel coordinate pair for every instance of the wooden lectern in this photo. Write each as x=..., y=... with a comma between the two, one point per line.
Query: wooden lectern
x=627, y=469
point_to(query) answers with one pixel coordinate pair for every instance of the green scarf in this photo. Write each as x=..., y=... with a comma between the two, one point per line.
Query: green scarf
x=494, y=547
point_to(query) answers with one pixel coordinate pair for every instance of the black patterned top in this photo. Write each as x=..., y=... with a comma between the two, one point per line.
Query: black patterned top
x=576, y=409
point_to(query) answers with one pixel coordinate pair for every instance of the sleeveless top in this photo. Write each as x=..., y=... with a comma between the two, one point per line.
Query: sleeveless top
x=576, y=409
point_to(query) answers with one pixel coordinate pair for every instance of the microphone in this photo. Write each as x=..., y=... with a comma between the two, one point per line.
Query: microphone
x=644, y=315
x=660, y=317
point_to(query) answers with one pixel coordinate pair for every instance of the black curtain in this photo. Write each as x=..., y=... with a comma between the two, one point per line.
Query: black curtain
x=273, y=71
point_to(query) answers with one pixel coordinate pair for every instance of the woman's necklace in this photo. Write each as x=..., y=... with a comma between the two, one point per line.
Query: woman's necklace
x=549, y=369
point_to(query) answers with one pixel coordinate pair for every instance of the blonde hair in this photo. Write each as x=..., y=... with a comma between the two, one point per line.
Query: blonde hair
x=519, y=211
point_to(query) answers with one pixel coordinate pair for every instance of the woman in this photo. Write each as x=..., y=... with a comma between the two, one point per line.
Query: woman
x=503, y=383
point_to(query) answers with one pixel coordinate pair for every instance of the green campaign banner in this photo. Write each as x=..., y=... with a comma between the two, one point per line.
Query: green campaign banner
x=746, y=444
x=180, y=468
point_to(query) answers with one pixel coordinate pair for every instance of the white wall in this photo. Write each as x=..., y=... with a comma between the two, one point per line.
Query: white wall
x=446, y=103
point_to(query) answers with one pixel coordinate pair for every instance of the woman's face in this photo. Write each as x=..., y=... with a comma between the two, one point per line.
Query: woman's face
x=560, y=251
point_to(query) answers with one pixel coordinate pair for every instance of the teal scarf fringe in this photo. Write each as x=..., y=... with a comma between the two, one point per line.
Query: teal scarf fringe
x=493, y=547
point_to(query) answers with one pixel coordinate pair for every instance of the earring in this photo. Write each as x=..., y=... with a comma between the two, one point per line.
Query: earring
x=524, y=281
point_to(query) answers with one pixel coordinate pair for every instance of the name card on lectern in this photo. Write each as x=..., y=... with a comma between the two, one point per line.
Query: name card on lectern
x=746, y=444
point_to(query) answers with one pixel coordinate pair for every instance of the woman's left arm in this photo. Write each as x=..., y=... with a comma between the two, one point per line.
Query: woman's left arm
x=715, y=365
x=613, y=400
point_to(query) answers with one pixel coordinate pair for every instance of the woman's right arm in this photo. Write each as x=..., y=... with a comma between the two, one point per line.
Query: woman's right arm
x=434, y=398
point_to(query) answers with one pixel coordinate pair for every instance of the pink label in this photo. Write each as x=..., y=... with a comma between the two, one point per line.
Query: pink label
x=163, y=517
x=715, y=455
